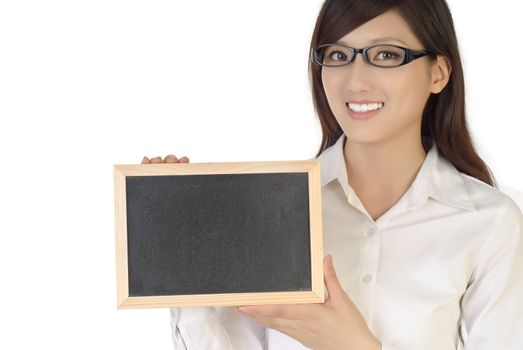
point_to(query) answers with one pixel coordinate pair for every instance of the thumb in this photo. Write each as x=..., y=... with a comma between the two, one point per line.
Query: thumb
x=331, y=279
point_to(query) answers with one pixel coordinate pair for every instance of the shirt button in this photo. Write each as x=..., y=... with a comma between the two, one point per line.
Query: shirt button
x=370, y=232
x=366, y=278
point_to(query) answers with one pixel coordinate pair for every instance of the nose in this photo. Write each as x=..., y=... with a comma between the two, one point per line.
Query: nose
x=357, y=74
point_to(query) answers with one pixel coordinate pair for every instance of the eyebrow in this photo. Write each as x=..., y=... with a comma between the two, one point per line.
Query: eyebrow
x=378, y=40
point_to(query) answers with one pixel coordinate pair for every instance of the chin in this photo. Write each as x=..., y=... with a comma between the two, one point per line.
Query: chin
x=364, y=136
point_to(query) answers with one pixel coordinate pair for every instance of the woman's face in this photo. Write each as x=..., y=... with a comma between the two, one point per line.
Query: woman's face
x=403, y=90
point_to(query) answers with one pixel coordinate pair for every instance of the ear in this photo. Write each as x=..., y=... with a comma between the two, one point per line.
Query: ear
x=441, y=70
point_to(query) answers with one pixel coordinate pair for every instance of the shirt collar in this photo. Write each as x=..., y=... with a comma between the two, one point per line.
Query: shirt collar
x=437, y=177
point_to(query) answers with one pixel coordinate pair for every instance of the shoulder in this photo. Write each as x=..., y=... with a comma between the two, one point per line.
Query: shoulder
x=497, y=215
x=490, y=199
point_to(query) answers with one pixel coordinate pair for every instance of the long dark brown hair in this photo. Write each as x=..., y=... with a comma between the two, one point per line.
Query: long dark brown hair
x=444, y=118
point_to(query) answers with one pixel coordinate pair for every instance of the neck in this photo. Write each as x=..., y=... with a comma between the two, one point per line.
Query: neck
x=383, y=171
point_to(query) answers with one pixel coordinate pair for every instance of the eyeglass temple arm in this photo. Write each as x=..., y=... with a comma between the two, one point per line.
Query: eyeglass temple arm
x=420, y=53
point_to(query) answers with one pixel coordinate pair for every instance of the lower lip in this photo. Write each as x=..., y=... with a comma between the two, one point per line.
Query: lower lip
x=362, y=115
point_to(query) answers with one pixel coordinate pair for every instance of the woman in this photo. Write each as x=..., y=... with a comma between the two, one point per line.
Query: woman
x=429, y=254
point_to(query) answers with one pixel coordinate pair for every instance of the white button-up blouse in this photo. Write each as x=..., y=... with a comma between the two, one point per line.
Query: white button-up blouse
x=446, y=258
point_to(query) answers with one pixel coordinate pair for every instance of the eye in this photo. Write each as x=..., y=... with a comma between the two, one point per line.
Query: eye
x=335, y=55
x=386, y=55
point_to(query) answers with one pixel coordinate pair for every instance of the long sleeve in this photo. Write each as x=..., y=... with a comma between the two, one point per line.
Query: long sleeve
x=214, y=328
x=492, y=307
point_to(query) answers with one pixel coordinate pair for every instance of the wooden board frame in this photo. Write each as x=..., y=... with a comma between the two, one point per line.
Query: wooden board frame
x=316, y=295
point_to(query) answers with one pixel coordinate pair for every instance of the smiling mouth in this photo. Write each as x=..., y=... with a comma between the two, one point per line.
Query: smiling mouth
x=364, y=107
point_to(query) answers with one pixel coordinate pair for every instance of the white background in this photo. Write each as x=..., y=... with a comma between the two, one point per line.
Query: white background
x=88, y=84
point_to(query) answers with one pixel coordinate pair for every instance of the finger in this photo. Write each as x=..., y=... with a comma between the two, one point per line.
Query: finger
x=145, y=160
x=263, y=310
x=171, y=159
x=289, y=312
x=156, y=160
x=331, y=279
x=184, y=160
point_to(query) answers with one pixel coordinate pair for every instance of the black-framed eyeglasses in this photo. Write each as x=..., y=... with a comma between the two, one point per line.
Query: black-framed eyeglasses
x=384, y=56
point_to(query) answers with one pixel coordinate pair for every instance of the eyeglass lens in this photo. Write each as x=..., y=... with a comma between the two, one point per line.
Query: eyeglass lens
x=384, y=56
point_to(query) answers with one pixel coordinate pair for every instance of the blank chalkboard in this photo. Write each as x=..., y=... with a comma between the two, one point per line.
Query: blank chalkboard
x=194, y=234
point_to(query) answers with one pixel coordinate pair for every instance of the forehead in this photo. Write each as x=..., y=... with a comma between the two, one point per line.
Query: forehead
x=388, y=28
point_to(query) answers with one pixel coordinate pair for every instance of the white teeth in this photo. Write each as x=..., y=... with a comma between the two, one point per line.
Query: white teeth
x=365, y=107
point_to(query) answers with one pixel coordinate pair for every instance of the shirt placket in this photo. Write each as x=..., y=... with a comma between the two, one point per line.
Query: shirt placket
x=368, y=267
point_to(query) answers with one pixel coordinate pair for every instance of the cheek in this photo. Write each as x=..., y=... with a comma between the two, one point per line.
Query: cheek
x=331, y=86
x=335, y=88
x=408, y=93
